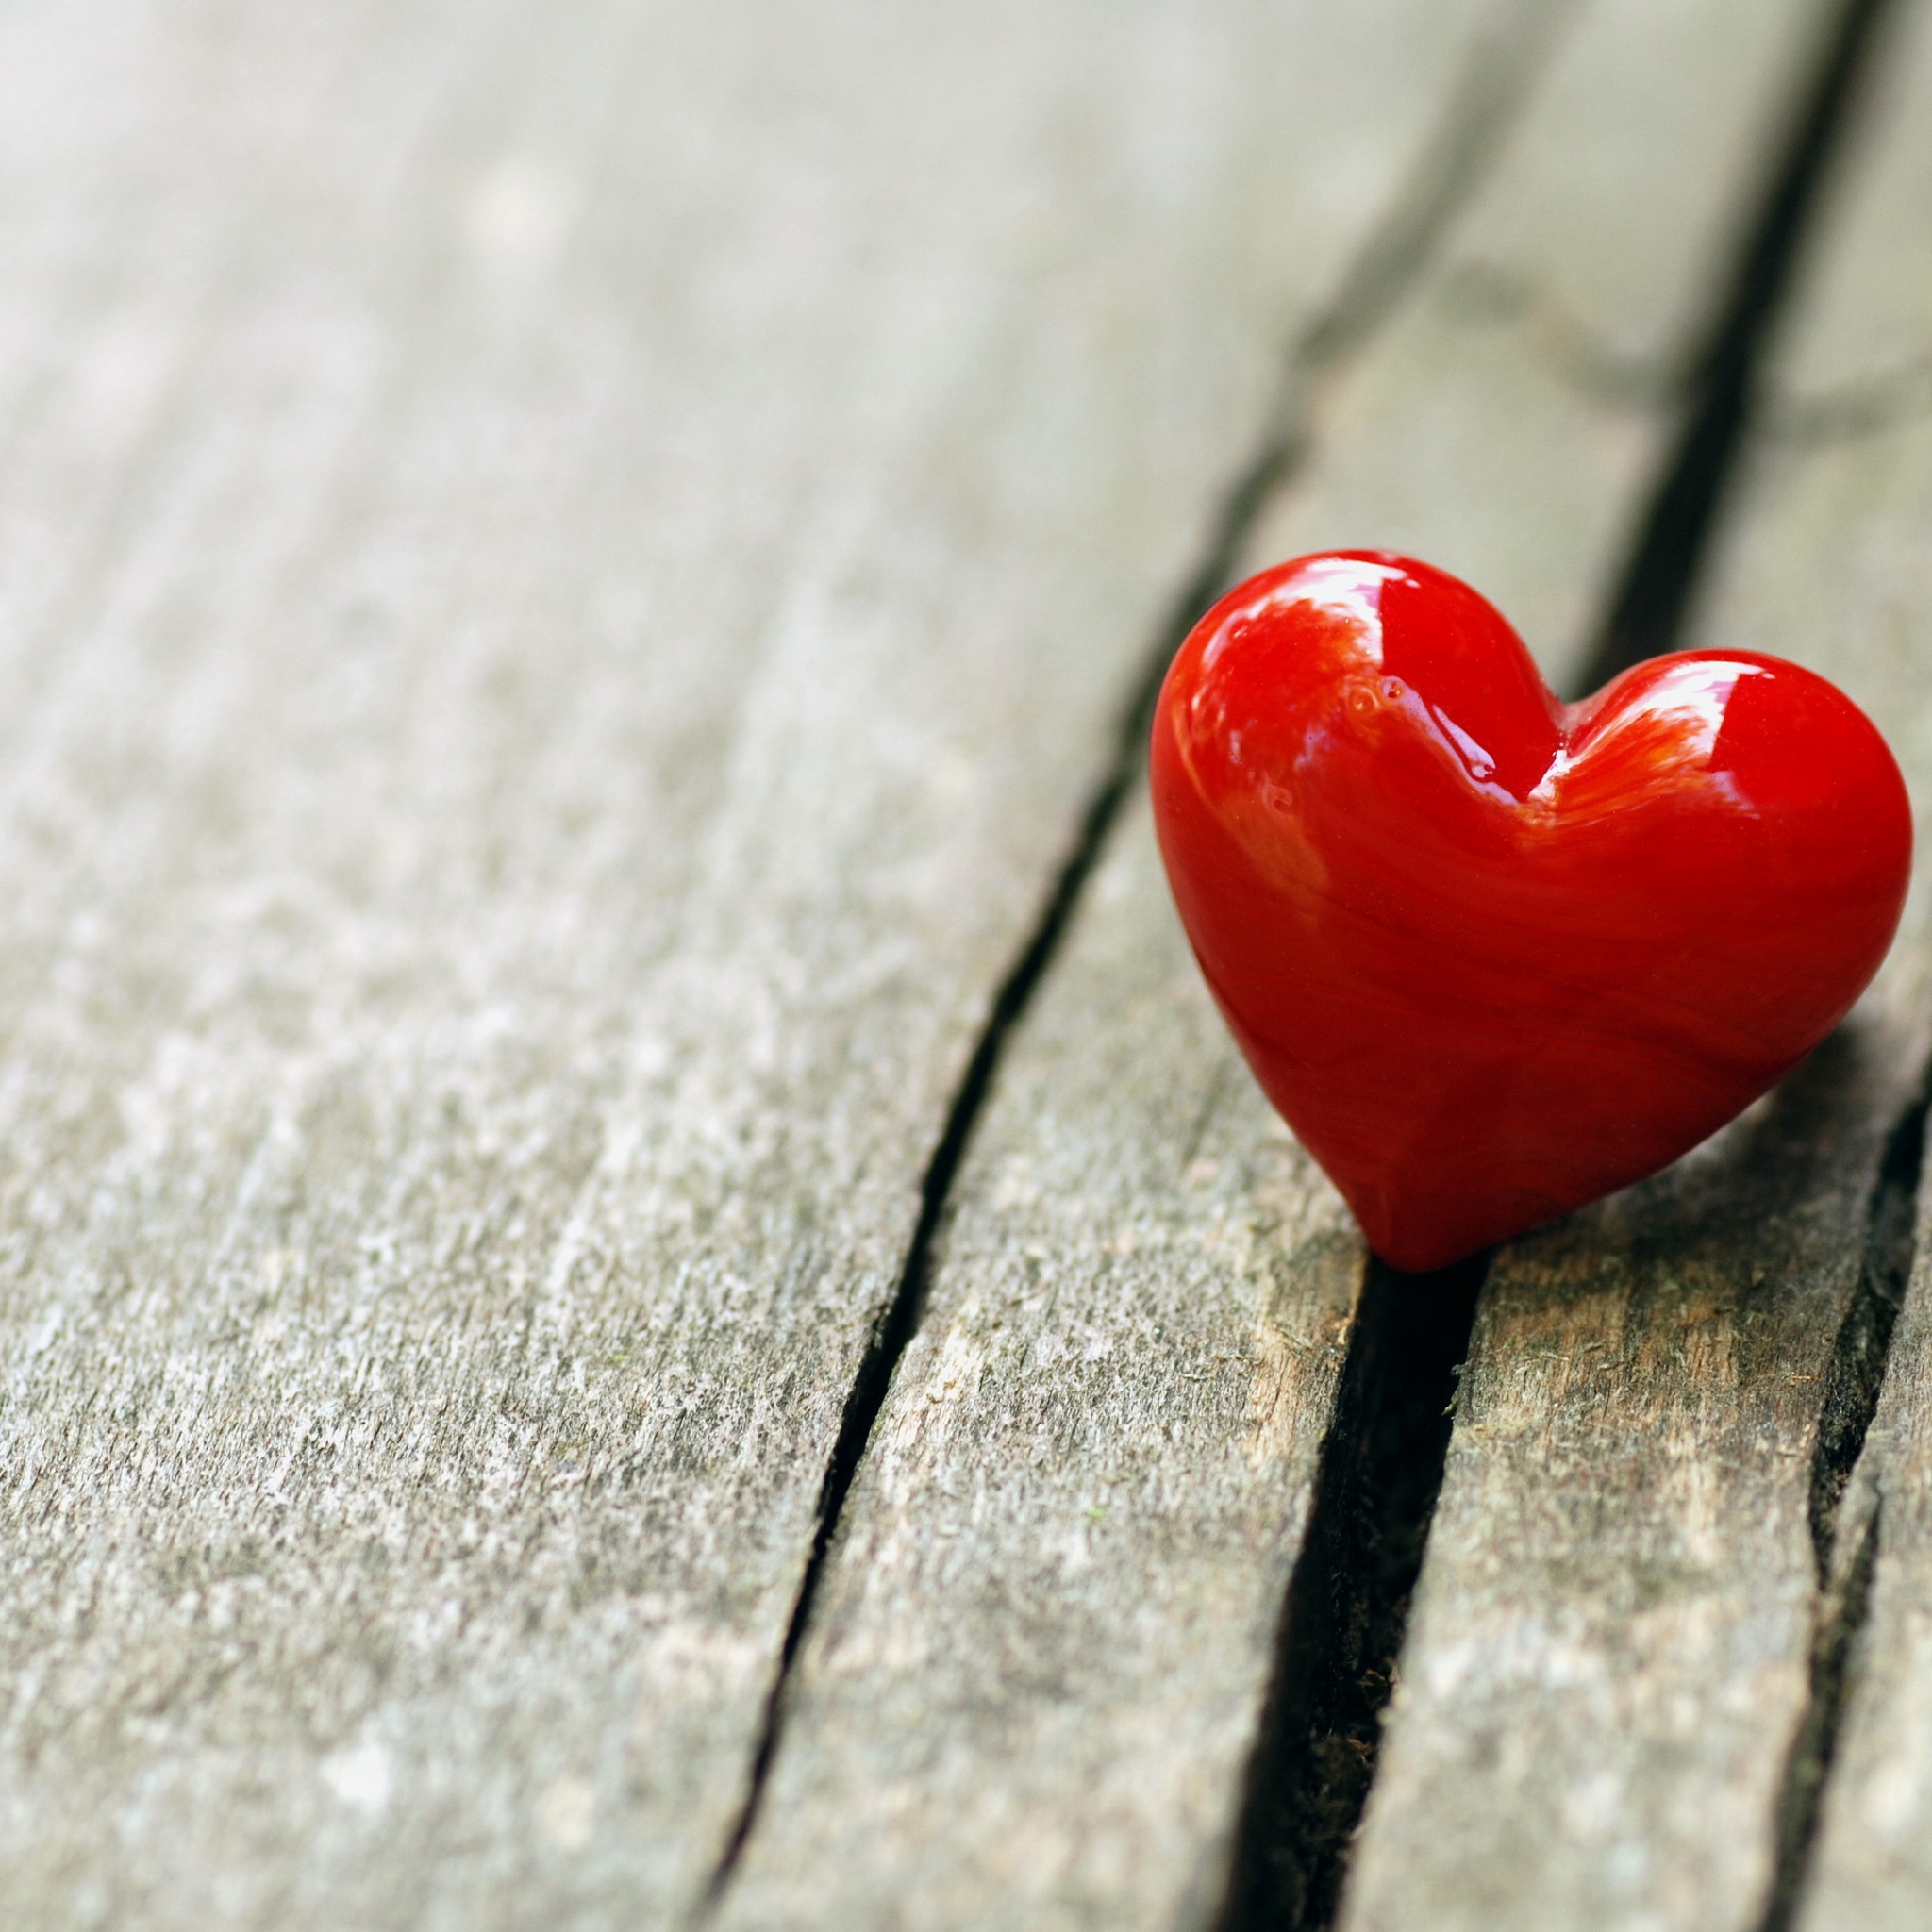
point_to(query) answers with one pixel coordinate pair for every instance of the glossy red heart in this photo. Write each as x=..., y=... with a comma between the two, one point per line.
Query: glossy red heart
x=1492, y=956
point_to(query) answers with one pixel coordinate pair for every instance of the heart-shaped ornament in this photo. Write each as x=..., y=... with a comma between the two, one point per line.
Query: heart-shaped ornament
x=1490, y=955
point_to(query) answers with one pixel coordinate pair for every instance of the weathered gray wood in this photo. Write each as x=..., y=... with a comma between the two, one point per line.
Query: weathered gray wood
x=1871, y=1869
x=1033, y=1680
x=1608, y=1652
x=1611, y=1660
x=1507, y=428
x=1836, y=553
x=1032, y=1687
x=564, y=573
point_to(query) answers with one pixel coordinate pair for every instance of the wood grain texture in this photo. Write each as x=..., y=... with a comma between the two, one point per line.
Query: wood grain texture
x=1032, y=1682
x=1032, y=1687
x=563, y=574
x=1835, y=549
x=1507, y=428
x=1871, y=1870
x=1610, y=1661
x=1610, y=1650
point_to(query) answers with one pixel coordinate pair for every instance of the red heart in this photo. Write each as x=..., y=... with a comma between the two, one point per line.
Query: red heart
x=1492, y=956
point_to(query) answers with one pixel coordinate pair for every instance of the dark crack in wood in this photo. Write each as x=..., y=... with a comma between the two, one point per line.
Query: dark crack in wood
x=1651, y=607
x=1840, y=1618
x=1846, y=1552
x=1856, y=1373
x=1346, y=1617
x=1346, y=1611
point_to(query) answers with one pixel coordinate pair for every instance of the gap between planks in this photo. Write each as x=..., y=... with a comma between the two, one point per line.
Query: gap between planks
x=1346, y=1609
x=1845, y=1553
x=1289, y=1859
x=1316, y=1754
x=1494, y=82
x=1673, y=555
x=1317, y=1745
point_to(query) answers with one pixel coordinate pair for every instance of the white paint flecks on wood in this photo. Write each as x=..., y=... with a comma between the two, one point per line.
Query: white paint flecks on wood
x=1611, y=1651
x=1034, y=1680
x=563, y=576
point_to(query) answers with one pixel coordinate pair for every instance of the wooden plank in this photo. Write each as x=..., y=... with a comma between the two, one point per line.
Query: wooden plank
x=1871, y=1870
x=566, y=571
x=1640, y=1548
x=1033, y=1674
x=1608, y=1653
x=573, y=575
x=1868, y=1868
x=1507, y=430
x=1033, y=1685
x=1835, y=555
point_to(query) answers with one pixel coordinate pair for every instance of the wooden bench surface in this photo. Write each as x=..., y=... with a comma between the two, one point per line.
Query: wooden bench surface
x=640, y=1289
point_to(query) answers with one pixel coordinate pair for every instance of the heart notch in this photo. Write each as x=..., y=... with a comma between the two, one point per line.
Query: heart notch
x=1492, y=956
